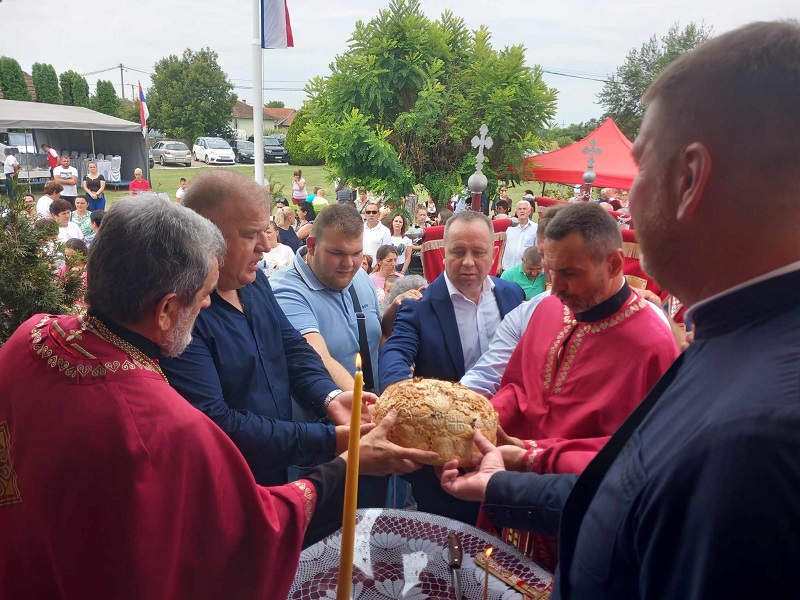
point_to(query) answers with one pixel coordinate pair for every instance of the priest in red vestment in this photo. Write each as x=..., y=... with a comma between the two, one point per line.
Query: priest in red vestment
x=111, y=484
x=591, y=351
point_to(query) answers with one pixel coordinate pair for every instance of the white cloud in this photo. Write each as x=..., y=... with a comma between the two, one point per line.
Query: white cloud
x=581, y=35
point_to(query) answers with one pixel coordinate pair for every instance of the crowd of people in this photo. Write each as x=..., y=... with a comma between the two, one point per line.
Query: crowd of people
x=197, y=415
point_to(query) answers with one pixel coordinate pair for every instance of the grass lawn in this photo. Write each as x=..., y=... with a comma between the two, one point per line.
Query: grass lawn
x=167, y=179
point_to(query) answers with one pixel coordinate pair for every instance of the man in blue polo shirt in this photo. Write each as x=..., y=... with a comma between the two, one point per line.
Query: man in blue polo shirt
x=318, y=297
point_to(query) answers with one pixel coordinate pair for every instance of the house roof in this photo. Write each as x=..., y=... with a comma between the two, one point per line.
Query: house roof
x=242, y=110
x=282, y=117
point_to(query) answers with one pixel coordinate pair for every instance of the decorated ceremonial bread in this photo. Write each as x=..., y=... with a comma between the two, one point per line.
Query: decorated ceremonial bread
x=437, y=415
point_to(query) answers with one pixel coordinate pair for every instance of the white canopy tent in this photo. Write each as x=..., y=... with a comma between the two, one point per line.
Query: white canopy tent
x=74, y=128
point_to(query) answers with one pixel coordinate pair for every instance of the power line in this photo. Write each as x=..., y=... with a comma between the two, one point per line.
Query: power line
x=549, y=72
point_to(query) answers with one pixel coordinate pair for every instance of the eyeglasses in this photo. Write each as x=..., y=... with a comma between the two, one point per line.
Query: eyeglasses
x=370, y=212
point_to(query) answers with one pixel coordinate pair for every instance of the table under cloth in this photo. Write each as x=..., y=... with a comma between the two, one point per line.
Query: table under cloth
x=405, y=554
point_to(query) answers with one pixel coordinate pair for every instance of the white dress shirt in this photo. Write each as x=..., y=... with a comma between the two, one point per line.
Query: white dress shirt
x=518, y=238
x=485, y=376
x=375, y=237
x=477, y=323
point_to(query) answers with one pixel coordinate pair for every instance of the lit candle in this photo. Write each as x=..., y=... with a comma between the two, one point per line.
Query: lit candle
x=487, y=553
x=345, y=583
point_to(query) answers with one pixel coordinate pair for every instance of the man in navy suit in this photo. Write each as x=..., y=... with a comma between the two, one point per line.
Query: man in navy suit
x=444, y=334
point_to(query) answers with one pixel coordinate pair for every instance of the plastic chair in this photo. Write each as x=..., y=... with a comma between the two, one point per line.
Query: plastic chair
x=73, y=154
x=82, y=155
x=101, y=157
x=116, y=163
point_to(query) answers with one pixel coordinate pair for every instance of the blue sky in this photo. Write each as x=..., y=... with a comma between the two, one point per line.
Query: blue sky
x=576, y=36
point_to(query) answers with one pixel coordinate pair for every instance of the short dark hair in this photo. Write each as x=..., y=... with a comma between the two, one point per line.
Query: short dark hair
x=78, y=245
x=445, y=215
x=599, y=230
x=182, y=180
x=307, y=208
x=59, y=205
x=48, y=225
x=501, y=204
x=97, y=216
x=343, y=218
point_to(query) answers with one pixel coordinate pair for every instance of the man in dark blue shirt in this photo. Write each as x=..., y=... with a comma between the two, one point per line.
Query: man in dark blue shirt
x=696, y=495
x=246, y=360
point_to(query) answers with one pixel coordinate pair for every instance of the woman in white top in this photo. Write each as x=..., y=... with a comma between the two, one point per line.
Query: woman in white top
x=279, y=255
x=60, y=212
x=52, y=191
x=402, y=243
x=299, y=191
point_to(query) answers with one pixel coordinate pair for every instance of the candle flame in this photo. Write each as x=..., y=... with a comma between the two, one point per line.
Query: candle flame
x=358, y=362
x=488, y=551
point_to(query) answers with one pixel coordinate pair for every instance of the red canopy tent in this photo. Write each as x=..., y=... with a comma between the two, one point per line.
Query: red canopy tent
x=613, y=163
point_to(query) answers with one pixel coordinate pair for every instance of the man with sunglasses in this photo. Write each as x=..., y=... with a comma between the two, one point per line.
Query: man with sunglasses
x=376, y=234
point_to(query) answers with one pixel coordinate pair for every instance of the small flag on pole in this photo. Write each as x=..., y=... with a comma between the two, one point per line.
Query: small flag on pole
x=276, y=30
x=144, y=114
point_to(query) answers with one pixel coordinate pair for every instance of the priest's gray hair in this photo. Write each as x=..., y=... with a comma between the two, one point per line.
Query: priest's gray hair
x=146, y=248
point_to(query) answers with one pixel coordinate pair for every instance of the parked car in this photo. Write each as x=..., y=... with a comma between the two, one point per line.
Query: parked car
x=213, y=150
x=281, y=137
x=274, y=151
x=171, y=152
x=244, y=152
x=150, y=160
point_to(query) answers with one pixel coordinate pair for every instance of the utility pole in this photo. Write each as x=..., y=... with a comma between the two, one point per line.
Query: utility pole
x=121, y=81
x=133, y=90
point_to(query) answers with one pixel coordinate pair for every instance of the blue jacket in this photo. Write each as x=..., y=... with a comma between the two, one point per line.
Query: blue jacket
x=425, y=334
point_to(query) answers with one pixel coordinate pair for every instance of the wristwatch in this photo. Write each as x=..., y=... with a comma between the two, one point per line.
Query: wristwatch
x=329, y=398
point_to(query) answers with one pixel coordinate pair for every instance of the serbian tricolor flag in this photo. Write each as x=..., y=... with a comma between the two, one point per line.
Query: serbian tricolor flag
x=144, y=114
x=276, y=30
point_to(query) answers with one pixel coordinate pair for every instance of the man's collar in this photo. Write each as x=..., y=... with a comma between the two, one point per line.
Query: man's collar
x=452, y=290
x=607, y=307
x=770, y=294
x=146, y=345
x=790, y=268
x=377, y=225
x=307, y=274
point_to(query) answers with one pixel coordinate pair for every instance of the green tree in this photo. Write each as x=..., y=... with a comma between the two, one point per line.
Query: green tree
x=622, y=93
x=559, y=137
x=45, y=82
x=28, y=281
x=105, y=99
x=298, y=153
x=129, y=110
x=403, y=103
x=191, y=96
x=275, y=104
x=12, y=80
x=74, y=89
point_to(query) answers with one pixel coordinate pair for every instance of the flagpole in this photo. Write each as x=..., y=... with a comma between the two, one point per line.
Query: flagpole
x=258, y=94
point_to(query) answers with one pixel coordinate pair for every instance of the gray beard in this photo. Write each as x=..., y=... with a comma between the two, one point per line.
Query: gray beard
x=179, y=337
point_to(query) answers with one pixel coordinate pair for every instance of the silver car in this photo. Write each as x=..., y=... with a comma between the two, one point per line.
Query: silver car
x=169, y=152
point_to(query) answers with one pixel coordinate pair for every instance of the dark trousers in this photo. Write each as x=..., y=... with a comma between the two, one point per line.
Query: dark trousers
x=415, y=266
x=10, y=186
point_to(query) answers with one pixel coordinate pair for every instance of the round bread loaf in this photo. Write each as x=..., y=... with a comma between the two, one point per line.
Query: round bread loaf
x=437, y=415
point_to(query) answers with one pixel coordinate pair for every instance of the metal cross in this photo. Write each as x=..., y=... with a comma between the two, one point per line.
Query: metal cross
x=591, y=151
x=480, y=143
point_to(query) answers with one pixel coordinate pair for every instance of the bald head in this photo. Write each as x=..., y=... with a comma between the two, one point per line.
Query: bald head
x=214, y=190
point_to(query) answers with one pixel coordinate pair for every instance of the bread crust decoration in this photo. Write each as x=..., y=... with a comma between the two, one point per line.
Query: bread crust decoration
x=438, y=415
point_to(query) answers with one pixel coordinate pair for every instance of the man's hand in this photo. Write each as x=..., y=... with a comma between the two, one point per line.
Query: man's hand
x=513, y=457
x=339, y=408
x=379, y=456
x=343, y=436
x=410, y=294
x=472, y=486
x=503, y=439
